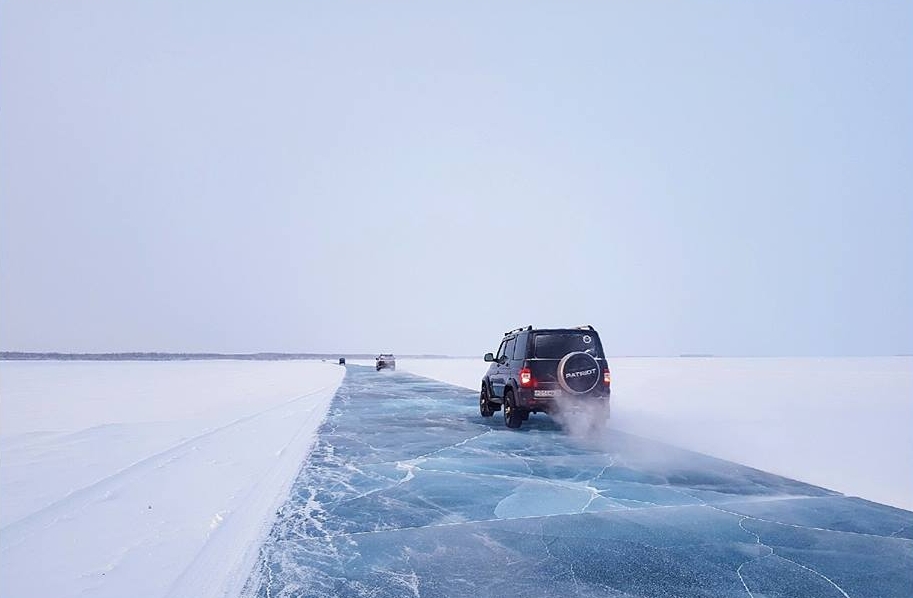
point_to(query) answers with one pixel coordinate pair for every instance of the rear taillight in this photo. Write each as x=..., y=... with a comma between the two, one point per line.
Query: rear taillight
x=526, y=378
x=607, y=377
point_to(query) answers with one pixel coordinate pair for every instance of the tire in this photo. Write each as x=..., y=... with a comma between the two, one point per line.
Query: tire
x=513, y=415
x=485, y=406
x=578, y=373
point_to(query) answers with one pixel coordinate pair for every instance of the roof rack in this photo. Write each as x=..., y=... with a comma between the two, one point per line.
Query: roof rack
x=520, y=329
x=585, y=327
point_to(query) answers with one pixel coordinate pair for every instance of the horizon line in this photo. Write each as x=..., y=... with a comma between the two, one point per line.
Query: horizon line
x=279, y=355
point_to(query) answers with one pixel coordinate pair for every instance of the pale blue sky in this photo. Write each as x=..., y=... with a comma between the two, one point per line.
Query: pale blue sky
x=720, y=177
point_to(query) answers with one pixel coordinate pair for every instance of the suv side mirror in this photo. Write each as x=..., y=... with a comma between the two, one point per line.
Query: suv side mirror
x=489, y=357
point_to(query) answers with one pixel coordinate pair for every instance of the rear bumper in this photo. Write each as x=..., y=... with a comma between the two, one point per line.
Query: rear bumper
x=552, y=399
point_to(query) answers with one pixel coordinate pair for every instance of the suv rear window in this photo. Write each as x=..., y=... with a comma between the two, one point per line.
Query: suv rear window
x=556, y=346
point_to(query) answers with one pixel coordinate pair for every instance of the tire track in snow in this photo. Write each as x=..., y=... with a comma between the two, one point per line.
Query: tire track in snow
x=16, y=532
x=191, y=580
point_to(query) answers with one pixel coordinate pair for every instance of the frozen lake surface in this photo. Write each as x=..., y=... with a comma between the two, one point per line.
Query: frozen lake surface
x=409, y=492
x=838, y=422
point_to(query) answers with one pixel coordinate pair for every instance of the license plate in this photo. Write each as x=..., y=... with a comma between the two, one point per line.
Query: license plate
x=545, y=393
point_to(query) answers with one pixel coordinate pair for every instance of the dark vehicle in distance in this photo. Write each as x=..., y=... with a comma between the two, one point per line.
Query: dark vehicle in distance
x=385, y=361
x=545, y=370
x=342, y=361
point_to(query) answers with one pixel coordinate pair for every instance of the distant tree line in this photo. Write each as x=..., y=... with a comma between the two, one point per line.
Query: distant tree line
x=159, y=356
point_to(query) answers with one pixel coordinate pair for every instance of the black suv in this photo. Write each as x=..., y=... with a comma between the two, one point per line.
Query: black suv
x=542, y=370
x=385, y=361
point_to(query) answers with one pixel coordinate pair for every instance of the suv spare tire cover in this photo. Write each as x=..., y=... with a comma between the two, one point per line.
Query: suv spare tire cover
x=578, y=372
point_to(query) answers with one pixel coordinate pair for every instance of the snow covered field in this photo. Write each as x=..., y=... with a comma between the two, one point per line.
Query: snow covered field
x=148, y=478
x=841, y=423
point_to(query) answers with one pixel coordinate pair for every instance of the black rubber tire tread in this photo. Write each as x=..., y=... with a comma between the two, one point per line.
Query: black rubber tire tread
x=513, y=416
x=485, y=406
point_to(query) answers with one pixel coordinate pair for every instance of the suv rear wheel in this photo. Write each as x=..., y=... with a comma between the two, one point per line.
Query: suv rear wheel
x=513, y=415
x=485, y=406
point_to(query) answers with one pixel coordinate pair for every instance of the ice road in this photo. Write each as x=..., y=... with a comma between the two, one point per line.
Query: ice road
x=409, y=492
